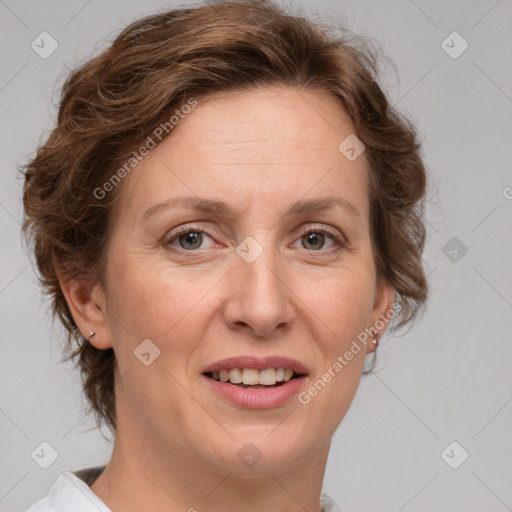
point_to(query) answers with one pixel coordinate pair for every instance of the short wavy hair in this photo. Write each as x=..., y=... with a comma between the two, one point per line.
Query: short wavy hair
x=110, y=105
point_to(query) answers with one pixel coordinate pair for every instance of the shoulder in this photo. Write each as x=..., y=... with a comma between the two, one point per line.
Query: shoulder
x=40, y=506
x=69, y=492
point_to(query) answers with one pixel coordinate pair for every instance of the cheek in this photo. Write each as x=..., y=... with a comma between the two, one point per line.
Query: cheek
x=343, y=301
x=163, y=305
x=345, y=306
x=160, y=303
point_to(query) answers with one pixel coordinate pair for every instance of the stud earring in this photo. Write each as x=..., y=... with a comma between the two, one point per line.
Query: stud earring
x=91, y=334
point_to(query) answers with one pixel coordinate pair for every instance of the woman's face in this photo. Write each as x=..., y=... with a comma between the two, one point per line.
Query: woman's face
x=252, y=171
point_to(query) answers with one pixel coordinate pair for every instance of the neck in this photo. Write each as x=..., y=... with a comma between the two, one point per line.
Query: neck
x=139, y=478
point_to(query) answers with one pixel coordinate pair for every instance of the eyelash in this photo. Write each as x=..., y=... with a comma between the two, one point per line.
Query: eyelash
x=311, y=229
x=305, y=231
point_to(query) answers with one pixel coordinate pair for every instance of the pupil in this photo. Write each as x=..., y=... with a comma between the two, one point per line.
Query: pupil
x=313, y=238
x=192, y=238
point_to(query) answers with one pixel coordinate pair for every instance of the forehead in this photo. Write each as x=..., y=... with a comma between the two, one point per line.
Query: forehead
x=265, y=146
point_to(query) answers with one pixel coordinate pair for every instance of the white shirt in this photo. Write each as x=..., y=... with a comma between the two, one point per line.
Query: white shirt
x=71, y=493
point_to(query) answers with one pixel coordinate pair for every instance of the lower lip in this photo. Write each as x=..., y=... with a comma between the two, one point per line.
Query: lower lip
x=257, y=398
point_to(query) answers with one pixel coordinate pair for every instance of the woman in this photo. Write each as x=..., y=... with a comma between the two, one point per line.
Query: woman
x=227, y=217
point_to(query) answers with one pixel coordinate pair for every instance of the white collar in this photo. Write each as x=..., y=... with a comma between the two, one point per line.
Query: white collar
x=69, y=492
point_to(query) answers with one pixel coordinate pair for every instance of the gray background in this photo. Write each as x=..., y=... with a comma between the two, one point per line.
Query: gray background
x=448, y=379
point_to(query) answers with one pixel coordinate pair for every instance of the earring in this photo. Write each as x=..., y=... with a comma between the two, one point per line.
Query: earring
x=91, y=334
x=375, y=341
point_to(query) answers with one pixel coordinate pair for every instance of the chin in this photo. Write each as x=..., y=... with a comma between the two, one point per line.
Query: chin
x=257, y=449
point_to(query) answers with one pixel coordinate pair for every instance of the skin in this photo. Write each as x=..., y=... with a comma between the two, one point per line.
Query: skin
x=177, y=441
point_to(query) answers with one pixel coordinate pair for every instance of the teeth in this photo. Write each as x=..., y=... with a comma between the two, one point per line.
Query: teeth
x=235, y=376
x=250, y=377
x=268, y=377
x=253, y=377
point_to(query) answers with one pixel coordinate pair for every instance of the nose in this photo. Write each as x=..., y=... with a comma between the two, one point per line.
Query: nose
x=259, y=298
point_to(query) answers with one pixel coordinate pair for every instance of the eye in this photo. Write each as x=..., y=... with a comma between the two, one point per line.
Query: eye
x=314, y=238
x=189, y=238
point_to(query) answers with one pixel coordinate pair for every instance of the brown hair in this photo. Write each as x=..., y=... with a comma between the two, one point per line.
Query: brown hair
x=114, y=101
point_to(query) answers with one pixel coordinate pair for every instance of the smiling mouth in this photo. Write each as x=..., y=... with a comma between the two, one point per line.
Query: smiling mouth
x=251, y=378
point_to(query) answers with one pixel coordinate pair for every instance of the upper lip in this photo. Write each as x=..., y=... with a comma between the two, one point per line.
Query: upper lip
x=258, y=363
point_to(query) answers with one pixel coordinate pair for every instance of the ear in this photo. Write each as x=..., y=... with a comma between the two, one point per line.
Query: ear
x=87, y=304
x=382, y=310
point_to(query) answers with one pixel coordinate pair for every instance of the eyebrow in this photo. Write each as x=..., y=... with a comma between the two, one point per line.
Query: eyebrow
x=223, y=209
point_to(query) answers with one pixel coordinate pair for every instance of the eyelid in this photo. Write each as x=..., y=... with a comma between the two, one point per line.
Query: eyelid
x=338, y=239
x=322, y=229
x=188, y=228
x=173, y=235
